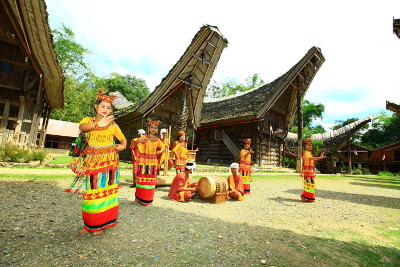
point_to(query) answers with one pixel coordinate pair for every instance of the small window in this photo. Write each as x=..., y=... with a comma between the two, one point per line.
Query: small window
x=397, y=156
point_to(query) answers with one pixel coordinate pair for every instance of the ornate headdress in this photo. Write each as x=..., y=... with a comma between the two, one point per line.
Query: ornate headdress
x=308, y=141
x=247, y=141
x=151, y=122
x=108, y=98
x=181, y=133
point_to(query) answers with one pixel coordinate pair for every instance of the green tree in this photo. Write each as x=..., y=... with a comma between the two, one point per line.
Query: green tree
x=71, y=54
x=79, y=95
x=79, y=99
x=384, y=131
x=221, y=89
x=134, y=89
x=311, y=112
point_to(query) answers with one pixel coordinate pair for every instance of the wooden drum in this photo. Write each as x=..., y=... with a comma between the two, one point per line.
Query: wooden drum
x=213, y=189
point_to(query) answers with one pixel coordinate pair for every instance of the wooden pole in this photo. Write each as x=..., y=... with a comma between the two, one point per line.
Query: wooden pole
x=167, y=141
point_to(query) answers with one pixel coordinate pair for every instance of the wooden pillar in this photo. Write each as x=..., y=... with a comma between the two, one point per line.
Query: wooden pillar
x=35, y=117
x=299, y=132
x=283, y=154
x=45, y=123
x=350, y=169
x=4, y=119
x=20, y=115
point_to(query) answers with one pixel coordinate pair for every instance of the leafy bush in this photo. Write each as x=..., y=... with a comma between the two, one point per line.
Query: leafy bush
x=388, y=174
x=357, y=172
x=39, y=155
x=365, y=171
x=11, y=152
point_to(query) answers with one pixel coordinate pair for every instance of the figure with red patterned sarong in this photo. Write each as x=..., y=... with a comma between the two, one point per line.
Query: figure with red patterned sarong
x=235, y=183
x=181, y=189
x=180, y=152
x=136, y=148
x=97, y=165
x=308, y=173
x=146, y=178
x=245, y=164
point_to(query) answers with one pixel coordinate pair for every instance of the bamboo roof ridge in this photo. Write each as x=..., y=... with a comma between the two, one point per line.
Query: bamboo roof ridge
x=335, y=139
x=195, y=68
x=31, y=19
x=254, y=104
x=392, y=106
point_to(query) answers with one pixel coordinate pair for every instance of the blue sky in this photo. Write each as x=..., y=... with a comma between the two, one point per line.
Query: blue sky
x=146, y=38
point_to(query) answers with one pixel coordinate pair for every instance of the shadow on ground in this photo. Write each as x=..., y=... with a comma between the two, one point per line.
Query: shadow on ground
x=39, y=228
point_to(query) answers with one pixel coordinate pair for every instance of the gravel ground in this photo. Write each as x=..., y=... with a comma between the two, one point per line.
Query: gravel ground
x=40, y=224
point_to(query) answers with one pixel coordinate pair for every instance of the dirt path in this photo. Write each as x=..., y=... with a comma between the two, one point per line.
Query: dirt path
x=272, y=226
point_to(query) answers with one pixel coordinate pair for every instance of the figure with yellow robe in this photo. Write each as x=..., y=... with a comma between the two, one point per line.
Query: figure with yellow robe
x=136, y=149
x=308, y=173
x=97, y=165
x=146, y=178
x=180, y=152
x=245, y=164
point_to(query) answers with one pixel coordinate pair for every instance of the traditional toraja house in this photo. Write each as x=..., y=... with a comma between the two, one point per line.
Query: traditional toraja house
x=396, y=27
x=31, y=79
x=227, y=121
x=333, y=141
x=395, y=107
x=178, y=99
x=385, y=159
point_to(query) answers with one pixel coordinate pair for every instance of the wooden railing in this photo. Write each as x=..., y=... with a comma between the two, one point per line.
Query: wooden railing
x=228, y=142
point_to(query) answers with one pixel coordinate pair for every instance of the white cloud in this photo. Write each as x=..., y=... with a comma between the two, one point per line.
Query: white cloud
x=146, y=38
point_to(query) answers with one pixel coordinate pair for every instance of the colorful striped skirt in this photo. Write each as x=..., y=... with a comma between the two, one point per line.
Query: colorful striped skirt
x=308, y=194
x=246, y=182
x=146, y=181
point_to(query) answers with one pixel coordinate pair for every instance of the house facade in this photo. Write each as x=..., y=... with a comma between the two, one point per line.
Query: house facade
x=31, y=79
x=178, y=99
x=264, y=114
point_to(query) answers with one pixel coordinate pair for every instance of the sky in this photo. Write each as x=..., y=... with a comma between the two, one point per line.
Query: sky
x=147, y=38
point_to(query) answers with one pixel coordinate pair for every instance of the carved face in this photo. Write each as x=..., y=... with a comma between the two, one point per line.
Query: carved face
x=103, y=109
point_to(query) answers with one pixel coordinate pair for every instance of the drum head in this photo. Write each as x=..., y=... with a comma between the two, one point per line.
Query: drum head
x=206, y=187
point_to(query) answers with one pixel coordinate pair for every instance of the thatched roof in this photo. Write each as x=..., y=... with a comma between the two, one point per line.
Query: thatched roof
x=253, y=104
x=396, y=27
x=334, y=140
x=195, y=67
x=30, y=21
x=395, y=107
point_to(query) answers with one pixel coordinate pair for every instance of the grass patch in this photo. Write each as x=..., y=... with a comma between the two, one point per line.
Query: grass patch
x=61, y=160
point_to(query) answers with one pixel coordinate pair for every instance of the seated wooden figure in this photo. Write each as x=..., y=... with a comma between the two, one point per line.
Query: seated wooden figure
x=181, y=189
x=235, y=183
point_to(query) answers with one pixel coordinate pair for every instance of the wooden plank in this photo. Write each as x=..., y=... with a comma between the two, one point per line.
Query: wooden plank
x=4, y=119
